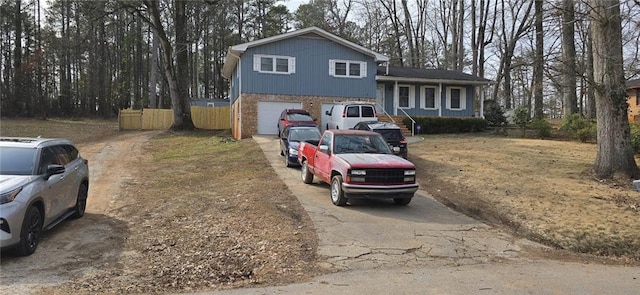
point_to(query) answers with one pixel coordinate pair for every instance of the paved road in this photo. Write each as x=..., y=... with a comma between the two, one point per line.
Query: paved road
x=377, y=247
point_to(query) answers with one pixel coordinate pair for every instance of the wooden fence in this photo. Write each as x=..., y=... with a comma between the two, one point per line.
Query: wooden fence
x=216, y=118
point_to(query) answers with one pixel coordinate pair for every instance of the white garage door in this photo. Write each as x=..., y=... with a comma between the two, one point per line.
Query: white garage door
x=268, y=113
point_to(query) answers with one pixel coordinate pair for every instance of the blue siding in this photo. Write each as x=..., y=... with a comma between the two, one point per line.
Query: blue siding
x=311, y=75
x=417, y=111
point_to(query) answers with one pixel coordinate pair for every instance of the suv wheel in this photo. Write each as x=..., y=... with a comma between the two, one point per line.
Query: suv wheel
x=81, y=201
x=30, y=233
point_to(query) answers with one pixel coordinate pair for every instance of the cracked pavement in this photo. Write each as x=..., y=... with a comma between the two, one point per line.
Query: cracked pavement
x=376, y=233
x=376, y=247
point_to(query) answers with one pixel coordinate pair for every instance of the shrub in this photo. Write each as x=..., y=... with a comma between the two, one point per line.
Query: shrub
x=494, y=113
x=438, y=125
x=522, y=118
x=579, y=127
x=542, y=126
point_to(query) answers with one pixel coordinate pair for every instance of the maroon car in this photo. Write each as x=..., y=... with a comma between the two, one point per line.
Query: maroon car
x=295, y=117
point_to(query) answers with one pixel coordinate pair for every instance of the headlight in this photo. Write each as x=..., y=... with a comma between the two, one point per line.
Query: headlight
x=293, y=152
x=409, y=179
x=409, y=172
x=358, y=179
x=358, y=172
x=9, y=196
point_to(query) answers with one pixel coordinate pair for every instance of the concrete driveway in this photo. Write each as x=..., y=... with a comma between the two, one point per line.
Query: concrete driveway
x=377, y=247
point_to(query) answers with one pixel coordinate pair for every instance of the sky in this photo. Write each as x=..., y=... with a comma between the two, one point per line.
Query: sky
x=292, y=5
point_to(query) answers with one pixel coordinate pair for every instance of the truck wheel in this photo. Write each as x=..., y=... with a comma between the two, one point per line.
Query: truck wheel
x=307, y=177
x=30, y=233
x=337, y=195
x=402, y=201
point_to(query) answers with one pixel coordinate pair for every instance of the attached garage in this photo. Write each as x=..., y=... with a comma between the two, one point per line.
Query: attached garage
x=269, y=112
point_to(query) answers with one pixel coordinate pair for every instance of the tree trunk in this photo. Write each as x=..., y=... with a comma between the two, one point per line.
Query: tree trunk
x=178, y=86
x=408, y=32
x=17, y=61
x=591, y=100
x=538, y=69
x=569, y=98
x=153, y=77
x=614, y=153
x=182, y=104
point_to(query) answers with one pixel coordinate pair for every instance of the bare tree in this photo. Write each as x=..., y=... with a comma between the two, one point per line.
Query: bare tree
x=538, y=68
x=614, y=153
x=569, y=98
x=479, y=34
x=513, y=29
x=176, y=72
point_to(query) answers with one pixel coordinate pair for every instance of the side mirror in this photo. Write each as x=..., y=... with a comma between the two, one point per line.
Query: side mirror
x=52, y=170
x=324, y=148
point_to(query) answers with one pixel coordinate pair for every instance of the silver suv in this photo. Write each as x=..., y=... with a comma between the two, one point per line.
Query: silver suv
x=43, y=181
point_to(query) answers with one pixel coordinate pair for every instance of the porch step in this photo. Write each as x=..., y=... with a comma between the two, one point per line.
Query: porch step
x=398, y=120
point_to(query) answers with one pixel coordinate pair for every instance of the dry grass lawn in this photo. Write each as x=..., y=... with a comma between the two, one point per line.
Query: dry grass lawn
x=542, y=189
x=204, y=205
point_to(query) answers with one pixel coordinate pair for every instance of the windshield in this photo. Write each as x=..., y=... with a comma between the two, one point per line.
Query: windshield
x=304, y=134
x=299, y=117
x=355, y=144
x=17, y=161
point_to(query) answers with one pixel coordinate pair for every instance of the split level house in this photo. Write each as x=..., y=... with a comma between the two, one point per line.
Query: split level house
x=312, y=69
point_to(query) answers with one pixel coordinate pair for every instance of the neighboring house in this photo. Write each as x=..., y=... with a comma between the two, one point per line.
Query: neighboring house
x=312, y=69
x=633, y=99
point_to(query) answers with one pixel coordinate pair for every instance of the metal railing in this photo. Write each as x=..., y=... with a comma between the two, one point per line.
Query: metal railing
x=385, y=112
x=413, y=122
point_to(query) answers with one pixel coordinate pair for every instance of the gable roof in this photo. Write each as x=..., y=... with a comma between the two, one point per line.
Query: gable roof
x=401, y=74
x=234, y=52
x=633, y=84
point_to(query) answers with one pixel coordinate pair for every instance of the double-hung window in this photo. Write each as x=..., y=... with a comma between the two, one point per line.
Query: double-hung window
x=456, y=98
x=347, y=68
x=274, y=64
x=428, y=98
x=406, y=96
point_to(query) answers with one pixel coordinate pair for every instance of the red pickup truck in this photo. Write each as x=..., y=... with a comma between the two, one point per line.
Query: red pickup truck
x=357, y=164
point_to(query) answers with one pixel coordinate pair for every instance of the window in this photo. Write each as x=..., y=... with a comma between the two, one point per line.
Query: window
x=353, y=111
x=274, y=64
x=428, y=99
x=637, y=96
x=406, y=96
x=456, y=98
x=368, y=112
x=347, y=68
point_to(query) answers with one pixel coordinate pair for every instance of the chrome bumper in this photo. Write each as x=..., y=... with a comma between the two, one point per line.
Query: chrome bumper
x=357, y=189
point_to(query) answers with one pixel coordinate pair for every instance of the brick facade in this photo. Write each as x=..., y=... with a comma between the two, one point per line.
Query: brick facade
x=246, y=106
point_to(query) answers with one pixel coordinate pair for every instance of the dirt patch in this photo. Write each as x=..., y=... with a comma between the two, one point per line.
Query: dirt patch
x=171, y=212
